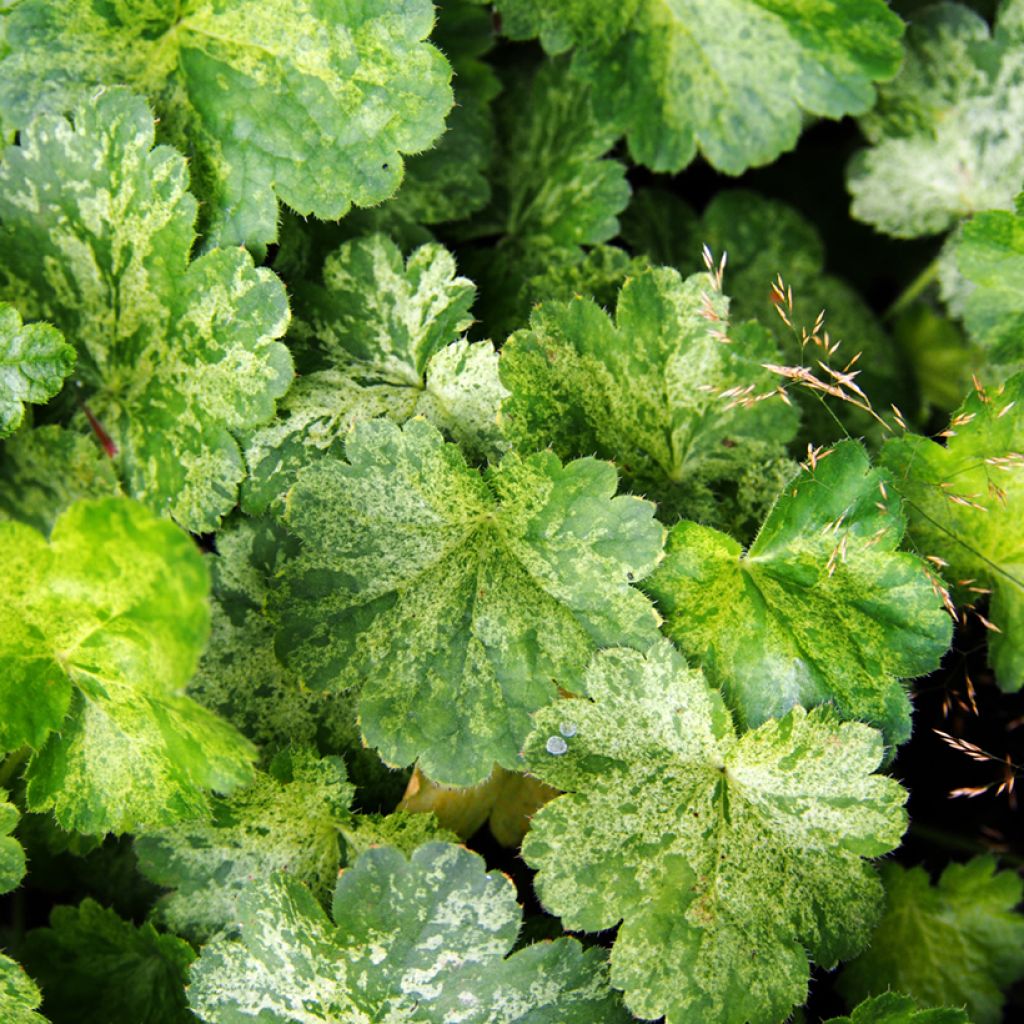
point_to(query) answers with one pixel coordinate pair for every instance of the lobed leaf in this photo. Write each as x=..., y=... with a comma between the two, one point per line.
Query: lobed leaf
x=458, y=602
x=421, y=941
x=174, y=355
x=12, y=856
x=821, y=608
x=728, y=859
x=306, y=102
x=892, y=1008
x=19, y=994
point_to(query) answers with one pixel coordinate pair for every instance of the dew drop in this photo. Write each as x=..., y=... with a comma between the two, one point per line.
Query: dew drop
x=556, y=745
x=568, y=729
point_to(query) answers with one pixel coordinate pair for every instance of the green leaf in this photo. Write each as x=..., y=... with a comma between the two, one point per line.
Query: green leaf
x=462, y=601
x=944, y=139
x=19, y=995
x=990, y=254
x=383, y=340
x=95, y=968
x=173, y=355
x=99, y=633
x=45, y=470
x=34, y=360
x=307, y=102
x=964, y=505
x=287, y=820
x=421, y=941
x=892, y=1008
x=12, y=856
x=729, y=859
x=672, y=433
x=405, y=830
x=821, y=607
x=732, y=79
x=957, y=943
x=239, y=676
x=555, y=191
x=765, y=240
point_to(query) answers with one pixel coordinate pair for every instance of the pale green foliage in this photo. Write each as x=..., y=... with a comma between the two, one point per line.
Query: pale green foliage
x=34, y=360
x=555, y=191
x=19, y=995
x=287, y=820
x=99, y=632
x=765, y=239
x=421, y=941
x=965, y=504
x=645, y=389
x=382, y=339
x=311, y=102
x=239, y=675
x=405, y=830
x=95, y=968
x=173, y=355
x=944, y=138
x=729, y=859
x=461, y=600
x=892, y=1008
x=12, y=856
x=821, y=607
x=43, y=471
x=732, y=79
x=956, y=943
x=990, y=254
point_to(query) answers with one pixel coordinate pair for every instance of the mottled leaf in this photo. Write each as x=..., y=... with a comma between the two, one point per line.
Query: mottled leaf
x=173, y=355
x=99, y=633
x=821, y=608
x=462, y=601
x=34, y=360
x=45, y=470
x=421, y=941
x=645, y=390
x=555, y=192
x=729, y=859
x=766, y=240
x=12, y=856
x=892, y=1008
x=944, y=138
x=965, y=504
x=990, y=254
x=95, y=968
x=383, y=340
x=956, y=943
x=308, y=102
x=287, y=820
x=19, y=995
x=732, y=79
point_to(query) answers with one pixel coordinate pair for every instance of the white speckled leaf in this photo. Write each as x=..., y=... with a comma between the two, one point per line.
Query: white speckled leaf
x=729, y=859
x=34, y=360
x=821, y=608
x=418, y=941
x=12, y=856
x=959, y=942
x=174, y=355
x=387, y=331
x=306, y=101
x=965, y=504
x=892, y=1008
x=19, y=995
x=944, y=134
x=644, y=390
x=733, y=79
x=462, y=601
x=100, y=630
x=287, y=820
x=989, y=252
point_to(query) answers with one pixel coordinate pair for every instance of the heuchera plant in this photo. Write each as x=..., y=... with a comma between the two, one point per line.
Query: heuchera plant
x=468, y=559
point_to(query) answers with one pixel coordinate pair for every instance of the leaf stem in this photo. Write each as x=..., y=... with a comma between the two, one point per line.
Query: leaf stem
x=914, y=290
x=11, y=763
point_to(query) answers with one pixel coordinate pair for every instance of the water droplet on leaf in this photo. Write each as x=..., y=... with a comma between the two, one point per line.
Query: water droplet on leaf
x=567, y=729
x=556, y=745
